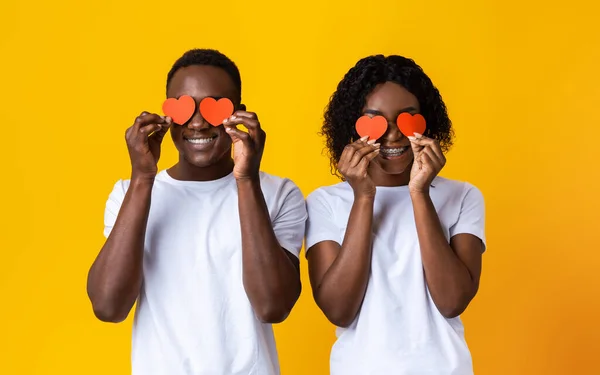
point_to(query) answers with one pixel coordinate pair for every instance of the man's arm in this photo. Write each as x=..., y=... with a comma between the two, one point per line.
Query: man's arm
x=115, y=277
x=271, y=274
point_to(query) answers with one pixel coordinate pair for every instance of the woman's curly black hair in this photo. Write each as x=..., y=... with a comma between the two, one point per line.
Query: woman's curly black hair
x=347, y=102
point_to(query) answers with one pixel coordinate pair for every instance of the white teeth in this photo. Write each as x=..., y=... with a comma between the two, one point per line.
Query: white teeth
x=394, y=151
x=200, y=140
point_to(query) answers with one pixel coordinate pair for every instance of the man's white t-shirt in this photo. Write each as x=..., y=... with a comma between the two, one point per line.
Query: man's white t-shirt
x=193, y=315
x=399, y=330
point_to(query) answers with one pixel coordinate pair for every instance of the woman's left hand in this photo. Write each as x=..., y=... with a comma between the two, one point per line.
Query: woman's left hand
x=428, y=162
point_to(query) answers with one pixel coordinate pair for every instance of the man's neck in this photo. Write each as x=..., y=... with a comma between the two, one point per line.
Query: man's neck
x=185, y=171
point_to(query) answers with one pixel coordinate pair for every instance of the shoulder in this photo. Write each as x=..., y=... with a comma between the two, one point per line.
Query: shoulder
x=274, y=186
x=119, y=188
x=326, y=195
x=456, y=189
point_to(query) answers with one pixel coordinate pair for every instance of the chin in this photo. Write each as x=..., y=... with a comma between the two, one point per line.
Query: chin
x=393, y=167
x=204, y=161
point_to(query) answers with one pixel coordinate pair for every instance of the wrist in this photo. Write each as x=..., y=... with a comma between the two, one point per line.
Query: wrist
x=364, y=198
x=142, y=180
x=248, y=181
x=419, y=194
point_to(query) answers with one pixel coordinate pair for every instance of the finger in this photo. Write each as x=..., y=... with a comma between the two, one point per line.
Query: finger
x=250, y=115
x=164, y=128
x=432, y=157
x=363, y=165
x=415, y=146
x=426, y=160
x=437, y=150
x=144, y=119
x=351, y=148
x=435, y=145
x=237, y=134
x=361, y=153
x=372, y=155
x=421, y=140
x=249, y=123
x=149, y=118
x=360, y=142
x=149, y=129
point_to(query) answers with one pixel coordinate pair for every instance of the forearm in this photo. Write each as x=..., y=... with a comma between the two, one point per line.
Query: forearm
x=449, y=281
x=342, y=289
x=270, y=278
x=115, y=278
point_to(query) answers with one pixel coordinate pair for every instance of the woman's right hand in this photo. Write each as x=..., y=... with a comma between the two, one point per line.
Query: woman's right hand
x=354, y=165
x=144, y=138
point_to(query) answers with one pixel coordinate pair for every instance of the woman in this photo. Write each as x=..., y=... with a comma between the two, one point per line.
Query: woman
x=394, y=250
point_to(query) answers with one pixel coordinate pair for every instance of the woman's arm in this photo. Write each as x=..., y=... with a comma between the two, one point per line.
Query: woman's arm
x=452, y=270
x=339, y=274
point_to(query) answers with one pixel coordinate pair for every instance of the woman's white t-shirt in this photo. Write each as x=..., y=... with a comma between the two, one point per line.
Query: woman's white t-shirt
x=399, y=330
x=193, y=315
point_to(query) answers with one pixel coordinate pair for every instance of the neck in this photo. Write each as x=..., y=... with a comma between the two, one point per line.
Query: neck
x=186, y=171
x=381, y=178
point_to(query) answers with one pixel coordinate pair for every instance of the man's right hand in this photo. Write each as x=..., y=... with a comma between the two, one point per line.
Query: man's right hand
x=144, y=138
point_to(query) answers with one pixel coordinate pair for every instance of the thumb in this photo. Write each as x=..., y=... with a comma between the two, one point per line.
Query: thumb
x=415, y=146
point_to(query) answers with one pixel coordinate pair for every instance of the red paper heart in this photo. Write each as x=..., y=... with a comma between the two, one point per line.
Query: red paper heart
x=215, y=111
x=180, y=110
x=409, y=124
x=374, y=127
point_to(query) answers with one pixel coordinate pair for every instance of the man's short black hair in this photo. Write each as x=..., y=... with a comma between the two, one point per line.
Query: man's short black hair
x=209, y=57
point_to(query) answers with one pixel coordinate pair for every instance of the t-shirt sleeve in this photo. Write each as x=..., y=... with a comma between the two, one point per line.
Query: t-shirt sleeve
x=113, y=205
x=320, y=225
x=471, y=219
x=290, y=221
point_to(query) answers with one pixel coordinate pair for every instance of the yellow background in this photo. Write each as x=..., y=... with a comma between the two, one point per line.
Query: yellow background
x=521, y=82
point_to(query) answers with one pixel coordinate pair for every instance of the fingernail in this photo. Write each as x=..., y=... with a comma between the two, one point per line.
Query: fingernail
x=372, y=141
x=364, y=138
x=233, y=117
x=418, y=135
x=412, y=138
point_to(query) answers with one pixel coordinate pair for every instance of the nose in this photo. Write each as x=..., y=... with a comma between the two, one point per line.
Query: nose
x=197, y=122
x=393, y=132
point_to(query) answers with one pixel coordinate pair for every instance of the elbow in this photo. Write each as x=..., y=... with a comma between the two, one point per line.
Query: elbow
x=453, y=308
x=451, y=312
x=109, y=314
x=106, y=309
x=342, y=320
x=272, y=314
x=453, y=305
x=340, y=313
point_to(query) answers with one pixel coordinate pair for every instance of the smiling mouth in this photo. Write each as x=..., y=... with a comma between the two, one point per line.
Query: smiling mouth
x=393, y=152
x=200, y=140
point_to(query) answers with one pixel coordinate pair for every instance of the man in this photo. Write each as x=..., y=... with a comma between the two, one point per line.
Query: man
x=208, y=248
